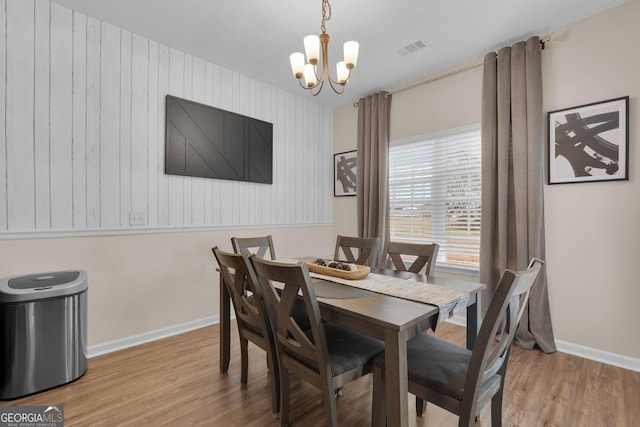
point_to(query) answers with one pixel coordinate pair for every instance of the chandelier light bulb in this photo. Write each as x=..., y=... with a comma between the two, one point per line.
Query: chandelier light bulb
x=312, y=48
x=310, y=75
x=297, y=64
x=342, y=72
x=351, y=54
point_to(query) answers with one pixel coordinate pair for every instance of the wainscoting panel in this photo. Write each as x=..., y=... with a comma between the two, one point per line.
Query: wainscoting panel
x=82, y=128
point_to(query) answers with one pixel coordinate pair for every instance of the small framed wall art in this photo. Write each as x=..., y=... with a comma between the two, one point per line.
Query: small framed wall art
x=589, y=142
x=344, y=173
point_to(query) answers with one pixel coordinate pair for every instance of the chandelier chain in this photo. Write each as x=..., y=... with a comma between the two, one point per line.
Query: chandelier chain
x=326, y=14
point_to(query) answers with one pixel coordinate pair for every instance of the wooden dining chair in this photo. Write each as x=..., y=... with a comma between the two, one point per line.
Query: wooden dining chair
x=424, y=255
x=459, y=380
x=261, y=246
x=366, y=250
x=251, y=316
x=327, y=356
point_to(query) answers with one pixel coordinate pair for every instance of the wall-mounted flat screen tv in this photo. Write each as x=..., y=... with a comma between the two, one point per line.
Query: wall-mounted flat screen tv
x=208, y=142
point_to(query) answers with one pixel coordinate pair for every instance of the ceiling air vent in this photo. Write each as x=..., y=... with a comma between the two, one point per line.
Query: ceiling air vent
x=413, y=47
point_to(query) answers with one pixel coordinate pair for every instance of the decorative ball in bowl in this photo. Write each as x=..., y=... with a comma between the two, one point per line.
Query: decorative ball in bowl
x=341, y=269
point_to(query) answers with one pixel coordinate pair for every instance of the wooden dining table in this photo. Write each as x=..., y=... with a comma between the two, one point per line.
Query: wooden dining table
x=391, y=319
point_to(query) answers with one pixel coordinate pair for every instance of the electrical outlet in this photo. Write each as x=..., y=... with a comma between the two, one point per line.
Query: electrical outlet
x=136, y=218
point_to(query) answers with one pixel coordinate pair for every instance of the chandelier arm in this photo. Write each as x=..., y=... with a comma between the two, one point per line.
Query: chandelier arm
x=340, y=89
x=301, y=85
x=318, y=86
x=337, y=82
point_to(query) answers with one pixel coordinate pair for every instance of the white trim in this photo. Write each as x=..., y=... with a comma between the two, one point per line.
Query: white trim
x=120, y=344
x=146, y=230
x=602, y=356
x=459, y=320
x=595, y=354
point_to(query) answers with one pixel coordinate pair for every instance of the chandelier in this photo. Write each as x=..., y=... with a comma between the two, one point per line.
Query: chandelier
x=313, y=46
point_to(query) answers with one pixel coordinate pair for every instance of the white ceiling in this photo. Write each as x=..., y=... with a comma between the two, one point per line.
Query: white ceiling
x=255, y=37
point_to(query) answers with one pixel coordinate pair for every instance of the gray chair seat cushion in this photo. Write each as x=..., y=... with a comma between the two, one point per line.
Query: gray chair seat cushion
x=436, y=364
x=347, y=349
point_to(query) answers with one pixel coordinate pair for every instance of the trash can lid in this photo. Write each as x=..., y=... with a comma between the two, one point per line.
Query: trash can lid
x=34, y=287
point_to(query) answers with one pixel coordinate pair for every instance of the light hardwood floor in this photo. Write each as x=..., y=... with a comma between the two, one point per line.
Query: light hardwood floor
x=176, y=381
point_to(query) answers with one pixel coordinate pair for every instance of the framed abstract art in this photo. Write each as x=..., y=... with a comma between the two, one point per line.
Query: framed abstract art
x=344, y=172
x=589, y=142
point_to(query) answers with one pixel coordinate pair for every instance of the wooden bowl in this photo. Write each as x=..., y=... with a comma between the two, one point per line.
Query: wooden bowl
x=360, y=272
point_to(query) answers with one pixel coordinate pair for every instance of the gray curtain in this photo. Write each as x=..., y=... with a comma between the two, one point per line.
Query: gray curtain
x=372, y=168
x=512, y=227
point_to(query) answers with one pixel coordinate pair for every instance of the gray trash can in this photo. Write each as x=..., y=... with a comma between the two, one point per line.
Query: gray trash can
x=43, y=331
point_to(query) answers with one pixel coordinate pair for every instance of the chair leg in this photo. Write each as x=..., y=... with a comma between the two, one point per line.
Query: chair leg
x=244, y=361
x=421, y=407
x=330, y=410
x=284, y=397
x=378, y=409
x=275, y=384
x=496, y=409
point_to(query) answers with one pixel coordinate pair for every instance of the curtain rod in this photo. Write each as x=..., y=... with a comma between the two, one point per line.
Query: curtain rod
x=440, y=76
x=544, y=40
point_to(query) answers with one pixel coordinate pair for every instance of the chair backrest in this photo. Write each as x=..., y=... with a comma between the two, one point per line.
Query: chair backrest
x=246, y=296
x=366, y=249
x=424, y=254
x=294, y=348
x=254, y=245
x=491, y=351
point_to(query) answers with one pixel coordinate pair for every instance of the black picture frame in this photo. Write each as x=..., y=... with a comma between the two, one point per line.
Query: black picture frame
x=589, y=143
x=344, y=174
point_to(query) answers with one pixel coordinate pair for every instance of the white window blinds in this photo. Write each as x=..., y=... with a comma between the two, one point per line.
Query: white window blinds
x=434, y=193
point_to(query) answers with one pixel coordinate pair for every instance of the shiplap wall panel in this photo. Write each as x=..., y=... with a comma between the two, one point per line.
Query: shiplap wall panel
x=82, y=129
x=163, y=180
x=281, y=162
x=154, y=142
x=92, y=167
x=79, y=121
x=109, y=126
x=42, y=119
x=61, y=130
x=20, y=94
x=139, y=117
x=124, y=123
x=3, y=134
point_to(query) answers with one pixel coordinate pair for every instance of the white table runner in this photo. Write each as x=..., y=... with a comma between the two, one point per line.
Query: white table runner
x=448, y=300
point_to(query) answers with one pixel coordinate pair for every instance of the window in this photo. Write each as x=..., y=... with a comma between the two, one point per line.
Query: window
x=434, y=193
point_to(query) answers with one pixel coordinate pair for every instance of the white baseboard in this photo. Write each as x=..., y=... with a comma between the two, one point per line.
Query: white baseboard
x=458, y=319
x=108, y=347
x=601, y=356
